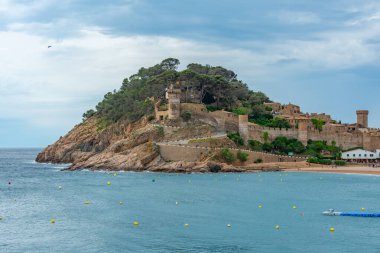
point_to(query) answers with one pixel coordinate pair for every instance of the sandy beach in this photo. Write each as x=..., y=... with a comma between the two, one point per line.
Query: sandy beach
x=342, y=169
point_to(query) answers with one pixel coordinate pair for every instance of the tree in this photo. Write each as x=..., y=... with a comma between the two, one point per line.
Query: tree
x=88, y=114
x=170, y=64
x=266, y=137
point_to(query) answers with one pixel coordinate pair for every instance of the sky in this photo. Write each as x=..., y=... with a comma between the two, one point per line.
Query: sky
x=321, y=55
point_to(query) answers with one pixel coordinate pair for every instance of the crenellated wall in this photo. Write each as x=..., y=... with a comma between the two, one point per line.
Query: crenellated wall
x=176, y=153
x=339, y=135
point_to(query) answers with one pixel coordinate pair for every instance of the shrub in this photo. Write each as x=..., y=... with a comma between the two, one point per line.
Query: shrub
x=236, y=138
x=319, y=161
x=212, y=108
x=255, y=145
x=240, y=110
x=227, y=155
x=186, y=115
x=258, y=160
x=340, y=163
x=318, y=123
x=102, y=124
x=242, y=156
x=151, y=117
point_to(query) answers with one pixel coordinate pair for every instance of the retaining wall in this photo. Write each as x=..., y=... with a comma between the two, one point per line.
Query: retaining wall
x=172, y=152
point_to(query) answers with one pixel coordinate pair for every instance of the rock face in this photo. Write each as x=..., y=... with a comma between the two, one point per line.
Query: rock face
x=121, y=146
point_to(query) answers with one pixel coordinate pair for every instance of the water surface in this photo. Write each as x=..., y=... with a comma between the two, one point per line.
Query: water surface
x=163, y=203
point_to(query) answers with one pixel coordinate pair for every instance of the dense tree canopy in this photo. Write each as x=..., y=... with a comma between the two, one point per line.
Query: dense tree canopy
x=214, y=86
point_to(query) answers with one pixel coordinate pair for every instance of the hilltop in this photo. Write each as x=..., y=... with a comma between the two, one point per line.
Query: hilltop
x=202, y=119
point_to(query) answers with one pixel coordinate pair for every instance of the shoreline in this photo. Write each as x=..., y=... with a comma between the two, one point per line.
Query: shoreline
x=340, y=170
x=249, y=168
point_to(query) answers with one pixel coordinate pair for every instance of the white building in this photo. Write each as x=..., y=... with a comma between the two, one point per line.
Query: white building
x=361, y=154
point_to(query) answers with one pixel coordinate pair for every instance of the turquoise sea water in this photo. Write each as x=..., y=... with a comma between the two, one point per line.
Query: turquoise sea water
x=207, y=202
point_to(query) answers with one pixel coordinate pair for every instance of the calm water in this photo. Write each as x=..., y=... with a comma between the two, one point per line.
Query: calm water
x=207, y=202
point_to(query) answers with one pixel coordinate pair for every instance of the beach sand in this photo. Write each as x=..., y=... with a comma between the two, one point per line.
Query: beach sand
x=344, y=169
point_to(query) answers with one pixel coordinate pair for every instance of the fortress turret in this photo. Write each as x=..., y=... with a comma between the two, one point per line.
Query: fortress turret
x=173, y=94
x=362, y=118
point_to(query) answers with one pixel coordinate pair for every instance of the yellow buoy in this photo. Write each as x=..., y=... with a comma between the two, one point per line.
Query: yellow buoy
x=294, y=207
x=114, y=174
x=260, y=206
x=363, y=209
x=176, y=202
x=136, y=223
x=52, y=221
x=186, y=225
x=277, y=227
x=121, y=202
x=59, y=187
x=228, y=225
x=332, y=229
x=108, y=183
x=87, y=202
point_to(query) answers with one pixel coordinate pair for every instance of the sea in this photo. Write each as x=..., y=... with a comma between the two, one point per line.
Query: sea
x=222, y=212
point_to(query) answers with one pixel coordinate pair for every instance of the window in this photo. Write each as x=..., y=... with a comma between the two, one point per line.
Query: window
x=360, y=155
x=371, y=155
x=365, y=155
x=348, y=155
x=353, y=155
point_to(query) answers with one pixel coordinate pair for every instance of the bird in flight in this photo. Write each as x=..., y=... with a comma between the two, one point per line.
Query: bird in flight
x=49, y=46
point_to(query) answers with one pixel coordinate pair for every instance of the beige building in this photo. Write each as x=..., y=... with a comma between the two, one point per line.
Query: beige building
x=302, y=128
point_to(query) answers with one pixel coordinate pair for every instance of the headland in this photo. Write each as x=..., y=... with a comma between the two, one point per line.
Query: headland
x=203, y=119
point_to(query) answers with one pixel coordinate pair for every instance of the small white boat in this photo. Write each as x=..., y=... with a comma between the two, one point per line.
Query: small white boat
x=331, y=212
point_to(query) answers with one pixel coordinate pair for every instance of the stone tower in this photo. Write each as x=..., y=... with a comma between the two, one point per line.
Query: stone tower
x=243, y=127
x=173, y=94
x=303, y=131
x=362, y=119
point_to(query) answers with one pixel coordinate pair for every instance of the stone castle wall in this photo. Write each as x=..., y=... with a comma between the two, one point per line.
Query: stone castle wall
x=176, y=153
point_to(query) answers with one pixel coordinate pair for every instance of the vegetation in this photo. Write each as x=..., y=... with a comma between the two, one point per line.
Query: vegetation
x=320, y=161
x=240, y=110
x=236, y=138
x=216, y=87
x=242, y=156
x=284, y=146
x=255, y=145
x=268, y=121
x=88, y=114
x=340, y=163
x=318, y=123
x=186, y=115
x=258, y=160
x=227, y=155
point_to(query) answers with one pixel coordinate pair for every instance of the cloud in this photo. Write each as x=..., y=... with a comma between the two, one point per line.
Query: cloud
x=49, y=88
x=297, y=17
x=43, y=84
x=14, y=9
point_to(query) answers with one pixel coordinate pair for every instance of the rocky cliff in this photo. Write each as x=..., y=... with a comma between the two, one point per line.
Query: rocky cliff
x=122, y=146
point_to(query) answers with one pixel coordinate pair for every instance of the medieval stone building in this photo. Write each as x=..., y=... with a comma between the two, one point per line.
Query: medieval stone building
x=302, y=127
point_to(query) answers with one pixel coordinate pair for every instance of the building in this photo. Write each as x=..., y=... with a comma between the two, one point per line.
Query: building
x=361, y=155
x=302, y=127
x=172, y=109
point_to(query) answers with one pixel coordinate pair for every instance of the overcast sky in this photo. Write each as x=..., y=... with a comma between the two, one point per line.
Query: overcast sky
x=322, y=55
